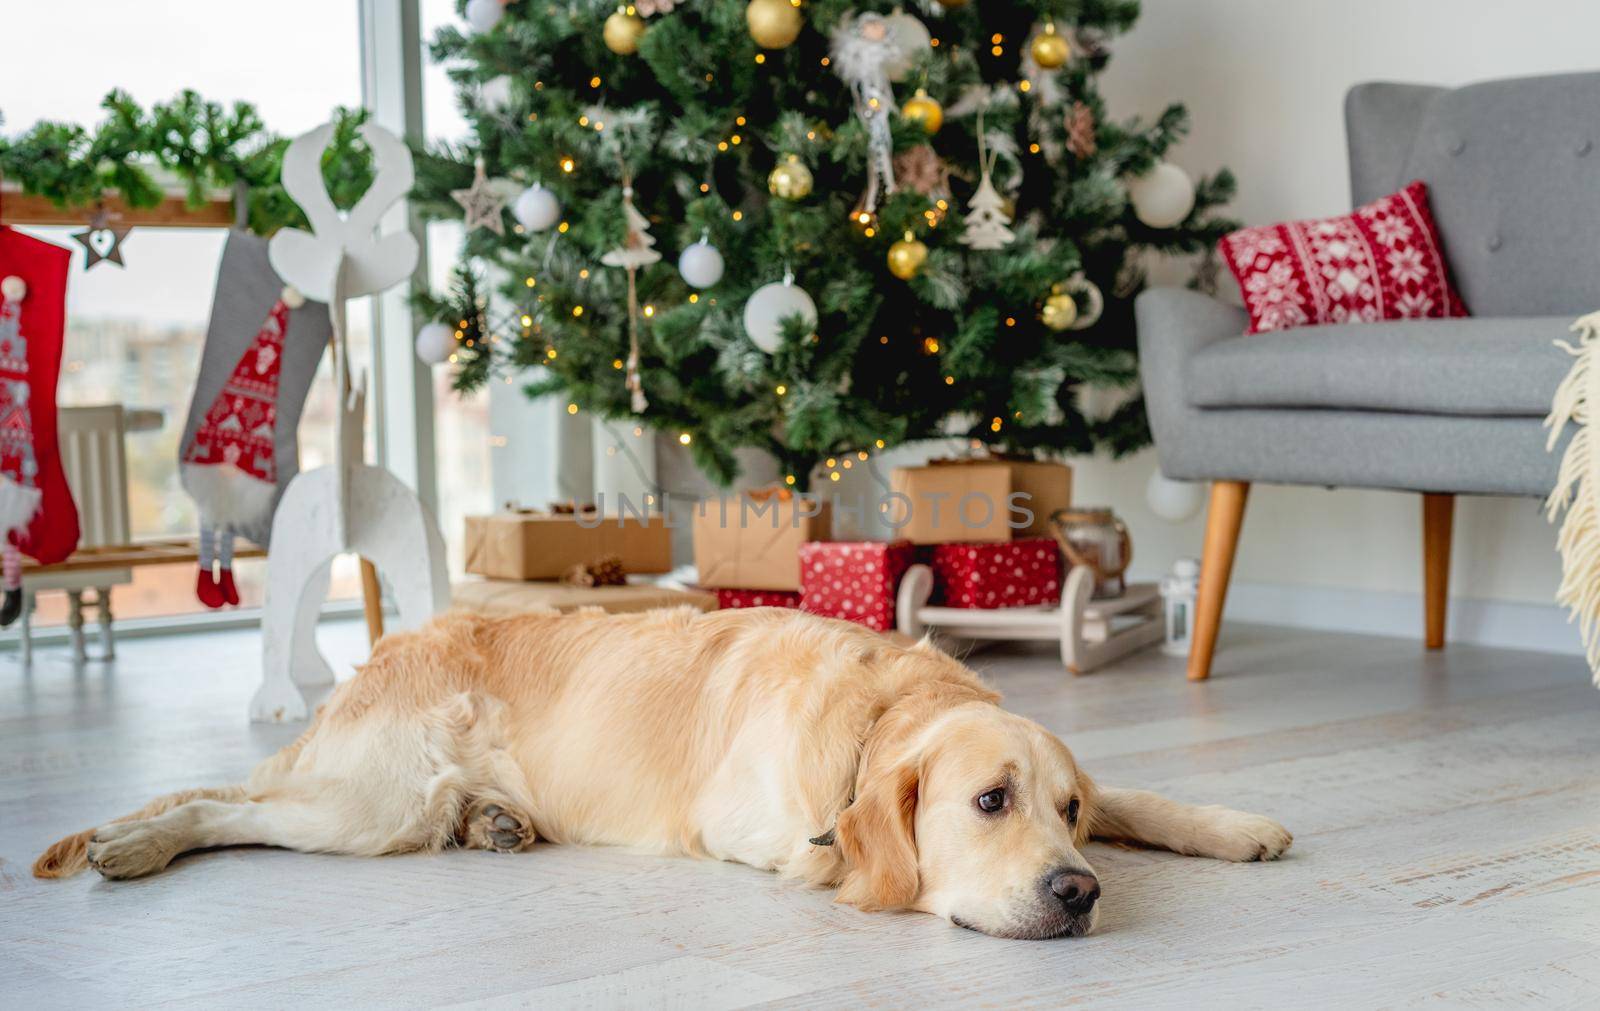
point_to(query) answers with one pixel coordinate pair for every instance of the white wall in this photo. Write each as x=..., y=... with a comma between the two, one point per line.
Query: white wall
x=1264, y=81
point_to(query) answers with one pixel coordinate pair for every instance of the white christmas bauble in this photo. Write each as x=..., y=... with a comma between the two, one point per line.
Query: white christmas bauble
x=495, y=93
x=701, y=265
x=1173, y=501
x=13, y=288
x=483, y=15
x=536, y=208
x=769, y=306
x=1163, y=196
x=435, y=341
x=910, y=38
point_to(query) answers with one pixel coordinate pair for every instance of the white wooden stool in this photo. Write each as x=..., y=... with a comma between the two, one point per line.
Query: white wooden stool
x=1091, y=633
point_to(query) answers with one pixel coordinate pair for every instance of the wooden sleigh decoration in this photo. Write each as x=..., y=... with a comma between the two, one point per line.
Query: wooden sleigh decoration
x=1092, y=633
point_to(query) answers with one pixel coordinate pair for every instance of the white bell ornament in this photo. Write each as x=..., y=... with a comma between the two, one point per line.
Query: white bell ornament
x=483, y=15
x=435, y=343
x=771, y=304
x=701, y=264
x=1163, y=196
x=536, y=208
x=1173, y=501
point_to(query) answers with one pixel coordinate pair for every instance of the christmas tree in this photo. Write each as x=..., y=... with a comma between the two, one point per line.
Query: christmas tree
x=813, y=171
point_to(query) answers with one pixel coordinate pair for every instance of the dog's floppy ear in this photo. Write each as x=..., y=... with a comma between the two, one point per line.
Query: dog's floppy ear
x=877, y=836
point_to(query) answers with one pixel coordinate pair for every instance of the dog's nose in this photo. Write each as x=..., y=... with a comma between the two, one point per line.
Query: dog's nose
x=1076, y=890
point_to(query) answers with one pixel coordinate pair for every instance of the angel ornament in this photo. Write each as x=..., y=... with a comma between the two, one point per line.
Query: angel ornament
x=638, y=250
x=863, y=52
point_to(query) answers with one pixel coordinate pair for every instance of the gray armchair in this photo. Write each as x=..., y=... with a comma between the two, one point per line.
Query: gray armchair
x=1440, y=407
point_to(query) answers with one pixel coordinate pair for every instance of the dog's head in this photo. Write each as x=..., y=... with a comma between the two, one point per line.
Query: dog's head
x=974, y=814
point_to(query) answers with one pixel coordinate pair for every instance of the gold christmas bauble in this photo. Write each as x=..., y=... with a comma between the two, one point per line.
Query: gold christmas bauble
x=790, y=179
x=773, y=23
x=623, y=32
x=1060, y=311
x=1050, y=49
x=921, y=108
x=906, y=257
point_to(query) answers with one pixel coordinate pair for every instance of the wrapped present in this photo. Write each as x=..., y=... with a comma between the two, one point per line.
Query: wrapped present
x=1013, y=574
x=751, y=541
x=531, y=544
x=984, y=499
x=854, y=580
x=727, y=598
x=516, y=596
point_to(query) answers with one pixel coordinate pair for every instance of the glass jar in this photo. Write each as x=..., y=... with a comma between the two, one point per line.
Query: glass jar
x=1096, y=538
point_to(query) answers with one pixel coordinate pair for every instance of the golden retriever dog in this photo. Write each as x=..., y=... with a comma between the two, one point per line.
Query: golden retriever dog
x=812, y=747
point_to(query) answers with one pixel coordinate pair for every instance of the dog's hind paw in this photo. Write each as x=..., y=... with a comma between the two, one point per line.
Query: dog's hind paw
x=493, y=827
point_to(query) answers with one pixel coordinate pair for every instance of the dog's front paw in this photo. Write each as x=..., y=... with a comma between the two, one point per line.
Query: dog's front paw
x=1241, y=837
x=129, y=849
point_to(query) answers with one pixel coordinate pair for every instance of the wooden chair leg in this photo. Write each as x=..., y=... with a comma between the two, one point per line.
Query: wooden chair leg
x=1438, y=518
x=372, y=601
x=1223, y=518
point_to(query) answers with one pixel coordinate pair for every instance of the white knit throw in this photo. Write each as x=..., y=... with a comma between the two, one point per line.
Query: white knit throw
x=1577, y=488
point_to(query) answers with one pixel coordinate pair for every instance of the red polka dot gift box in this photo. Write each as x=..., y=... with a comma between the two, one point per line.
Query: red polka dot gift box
x=1007, y=574
x=854, y=580
x=756, y=598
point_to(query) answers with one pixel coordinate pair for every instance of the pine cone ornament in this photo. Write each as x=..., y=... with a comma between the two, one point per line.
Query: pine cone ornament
x=920, y=168
x=607, y=570
x=1080, y=131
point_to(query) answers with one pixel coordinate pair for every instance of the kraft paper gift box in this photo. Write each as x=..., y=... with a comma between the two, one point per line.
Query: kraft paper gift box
x=517, y=596
x=752, y=541
x=972, y=500
x=540, y=545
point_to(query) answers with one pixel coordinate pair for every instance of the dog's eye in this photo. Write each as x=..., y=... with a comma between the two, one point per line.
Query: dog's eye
x=1072, y=811
x=992, y=801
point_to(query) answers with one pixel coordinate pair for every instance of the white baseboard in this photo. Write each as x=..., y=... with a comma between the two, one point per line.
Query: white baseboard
x=1505, y=624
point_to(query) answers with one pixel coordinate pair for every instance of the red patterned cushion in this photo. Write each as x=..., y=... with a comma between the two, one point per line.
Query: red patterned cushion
x=1381, y=261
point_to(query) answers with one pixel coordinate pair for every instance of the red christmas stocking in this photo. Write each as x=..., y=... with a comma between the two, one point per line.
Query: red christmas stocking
x=37, y=514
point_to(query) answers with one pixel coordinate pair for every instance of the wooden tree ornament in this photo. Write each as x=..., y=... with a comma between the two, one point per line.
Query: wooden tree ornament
x=350, y=506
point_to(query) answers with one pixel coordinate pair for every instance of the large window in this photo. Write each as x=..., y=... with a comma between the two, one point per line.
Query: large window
x=461, y=423
x=134, y=335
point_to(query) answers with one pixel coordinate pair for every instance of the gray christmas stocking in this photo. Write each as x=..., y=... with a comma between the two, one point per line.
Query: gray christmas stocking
x=240, y=447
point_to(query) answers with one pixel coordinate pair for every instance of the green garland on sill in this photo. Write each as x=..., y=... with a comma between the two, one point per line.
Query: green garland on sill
x=206, y=146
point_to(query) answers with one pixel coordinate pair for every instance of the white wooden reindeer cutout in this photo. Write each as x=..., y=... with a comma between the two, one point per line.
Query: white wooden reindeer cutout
x=350, y=506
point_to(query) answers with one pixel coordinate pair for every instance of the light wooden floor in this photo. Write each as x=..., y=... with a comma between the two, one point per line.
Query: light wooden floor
x=1446, y=810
